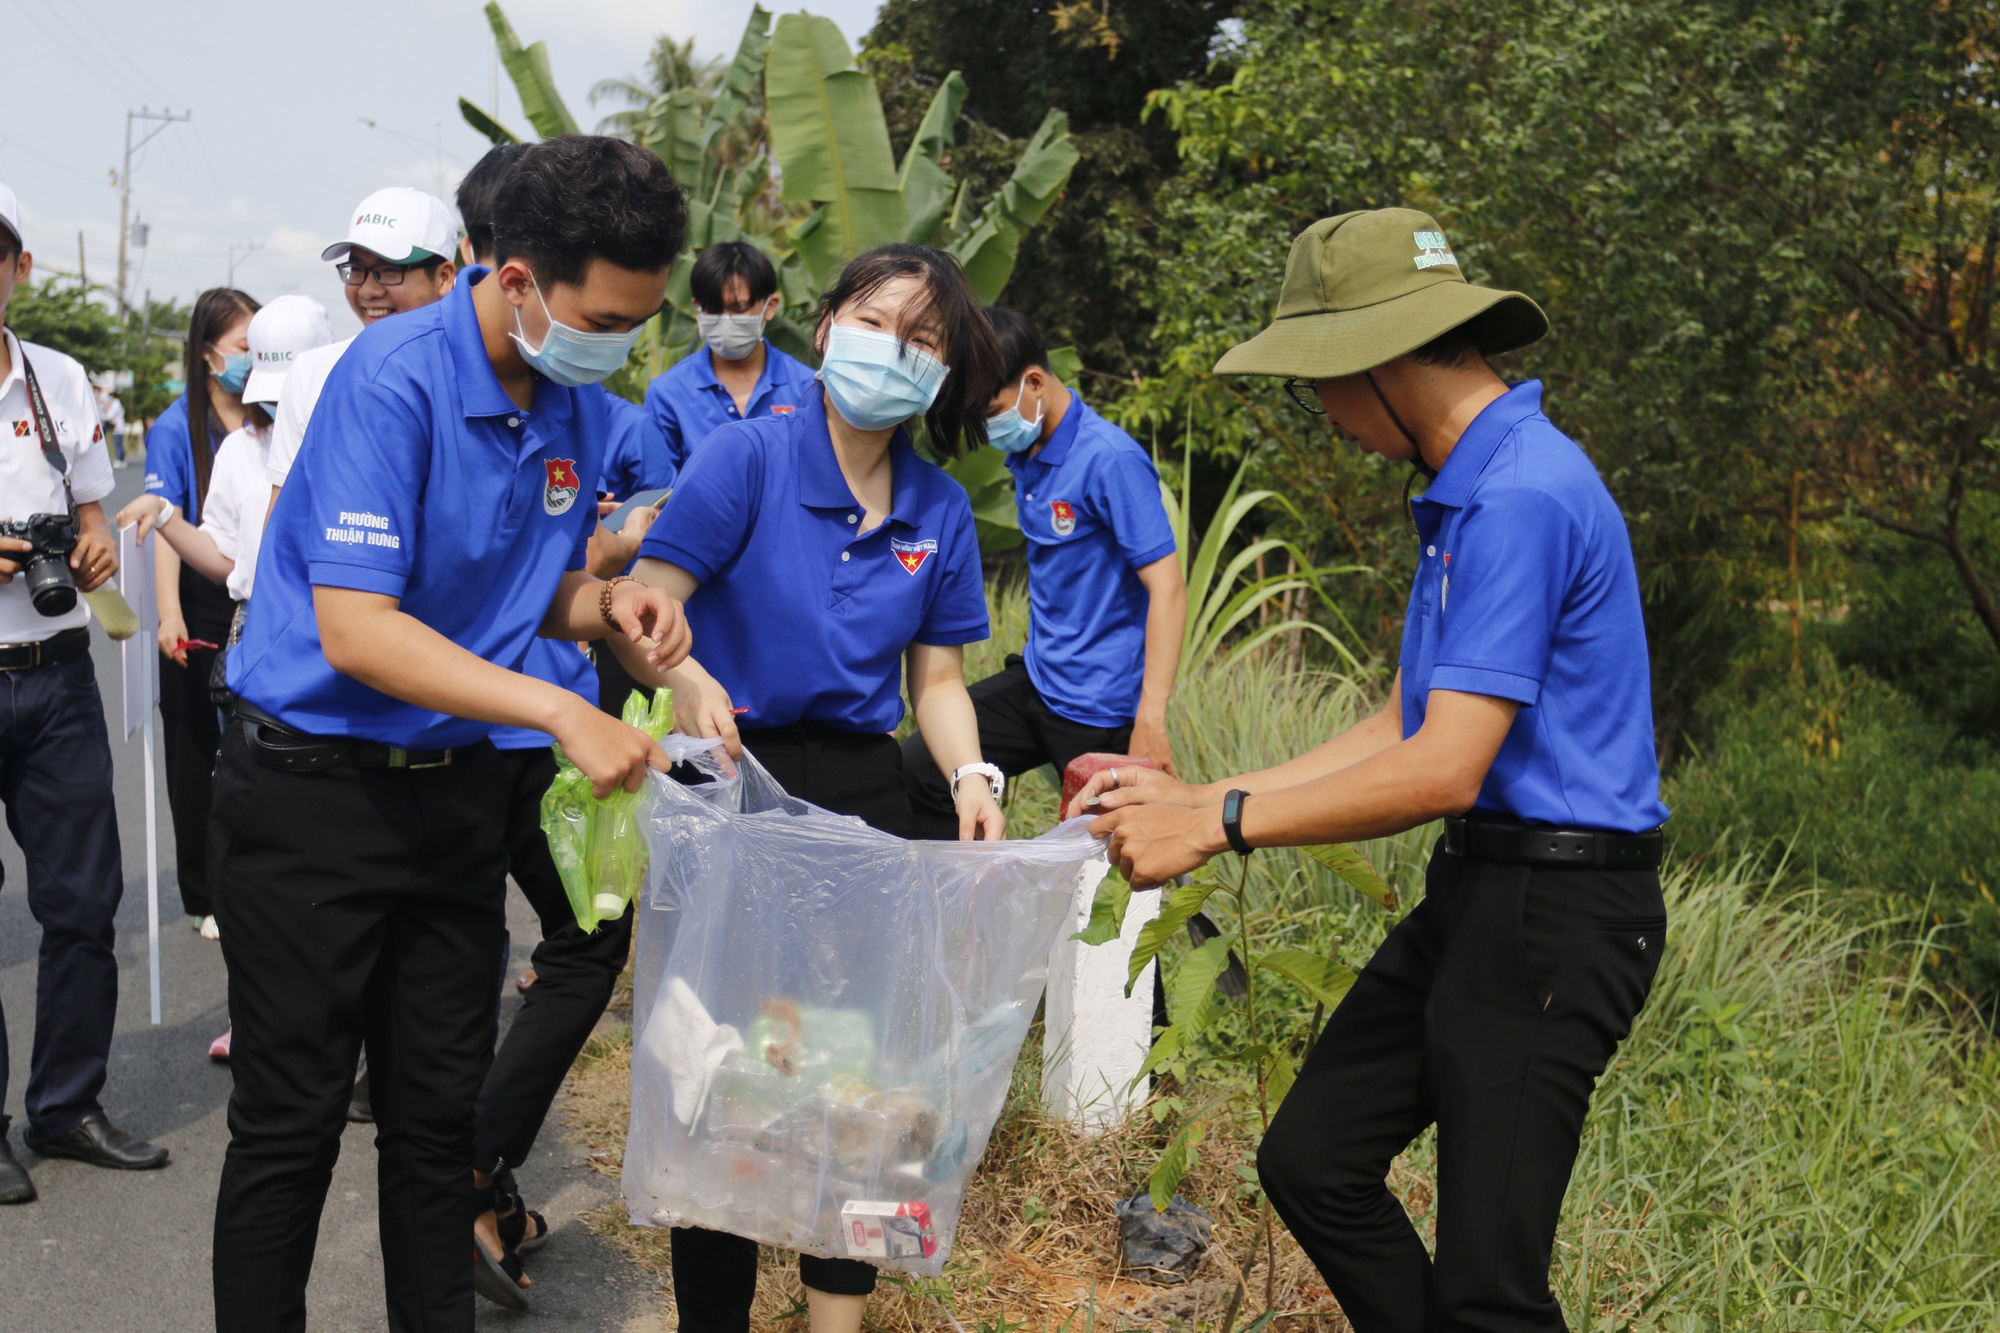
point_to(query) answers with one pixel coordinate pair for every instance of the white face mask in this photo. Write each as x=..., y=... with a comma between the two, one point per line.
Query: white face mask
x=731, y=337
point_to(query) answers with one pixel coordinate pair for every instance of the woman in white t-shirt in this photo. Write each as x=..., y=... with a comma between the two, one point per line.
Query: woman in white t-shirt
x=224, y=548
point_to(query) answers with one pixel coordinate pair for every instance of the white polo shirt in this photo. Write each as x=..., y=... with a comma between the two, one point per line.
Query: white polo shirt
x=239, y=496
x=296, y=399
x=28, y=485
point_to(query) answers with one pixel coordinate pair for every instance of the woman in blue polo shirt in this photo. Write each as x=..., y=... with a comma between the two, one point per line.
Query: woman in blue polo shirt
x=192, y=609
x=824, y=526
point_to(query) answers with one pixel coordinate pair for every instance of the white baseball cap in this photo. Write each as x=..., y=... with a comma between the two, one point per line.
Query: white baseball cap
x=402, y=225
x=279, y=332
x=10, y=216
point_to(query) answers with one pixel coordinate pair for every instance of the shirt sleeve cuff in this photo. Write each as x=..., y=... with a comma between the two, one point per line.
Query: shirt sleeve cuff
x=692, y=561
x=90, y=494
x=954, y=638
x=359, y=578
x=1523, y=690
x=1144, y=558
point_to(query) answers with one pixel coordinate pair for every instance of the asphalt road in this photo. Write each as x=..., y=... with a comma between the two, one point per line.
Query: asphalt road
x=103, y=1251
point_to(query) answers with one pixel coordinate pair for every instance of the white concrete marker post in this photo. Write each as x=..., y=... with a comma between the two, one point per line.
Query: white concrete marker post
x=1095, y=1038
x=140, y=658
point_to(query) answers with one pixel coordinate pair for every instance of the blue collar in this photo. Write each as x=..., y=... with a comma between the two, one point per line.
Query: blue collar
x=704, y=373
x=1056, y=451
x=821, y=485
x=478, y=386
x=1474, y=450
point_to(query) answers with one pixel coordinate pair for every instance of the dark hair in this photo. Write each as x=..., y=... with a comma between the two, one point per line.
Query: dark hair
x=731, y=259
x=476, y=193
x=10, y=248
x=1453, y=347
x=963, y=333
x=214, y=311
x=1021, y=344
x=577, y=197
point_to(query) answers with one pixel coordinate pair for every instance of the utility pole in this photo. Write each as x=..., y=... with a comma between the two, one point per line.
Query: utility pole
x=165, y=118
x=82, y=269
x=245, y=248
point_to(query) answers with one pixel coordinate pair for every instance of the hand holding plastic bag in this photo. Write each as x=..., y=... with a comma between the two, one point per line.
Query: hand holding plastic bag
x=598, y=846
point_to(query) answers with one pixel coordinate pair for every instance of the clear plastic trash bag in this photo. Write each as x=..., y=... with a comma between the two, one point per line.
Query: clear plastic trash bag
x=826, y=1018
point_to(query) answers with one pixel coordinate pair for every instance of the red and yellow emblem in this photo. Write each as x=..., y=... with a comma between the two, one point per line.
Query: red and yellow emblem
x=562, y=488
x=912, y=555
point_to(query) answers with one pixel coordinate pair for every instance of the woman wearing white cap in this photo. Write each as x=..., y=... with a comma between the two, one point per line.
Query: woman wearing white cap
x=223, y=549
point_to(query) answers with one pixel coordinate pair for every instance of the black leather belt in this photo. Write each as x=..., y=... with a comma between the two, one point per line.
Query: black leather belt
x=59, y=647
x=291, y=751
x=1523, y=844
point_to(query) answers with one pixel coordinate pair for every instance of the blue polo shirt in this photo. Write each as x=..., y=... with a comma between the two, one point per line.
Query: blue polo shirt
x=429, y=485
x=800, y=615
x=636, y=458
x=558, y=662
x=1525, y=590
x=1090, y=507
x=170, y=457
x=688, y=404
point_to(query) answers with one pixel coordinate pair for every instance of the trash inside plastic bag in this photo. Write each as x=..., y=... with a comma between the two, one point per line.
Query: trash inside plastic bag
x=1163, y=1247
x=826, y=1018
x=598, y=846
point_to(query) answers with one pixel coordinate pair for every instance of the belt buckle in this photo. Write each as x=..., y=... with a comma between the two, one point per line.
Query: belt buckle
x=400, y=758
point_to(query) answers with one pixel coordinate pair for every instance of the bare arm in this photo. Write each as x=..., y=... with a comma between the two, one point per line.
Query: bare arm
x=1436, y=772
x=1166, y=621
x=190, y=543
x=950, y=727
x=702, y=706
x=167, y=589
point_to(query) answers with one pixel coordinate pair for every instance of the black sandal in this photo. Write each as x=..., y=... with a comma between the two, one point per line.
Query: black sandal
x=511, y=1211
x=498, y=1280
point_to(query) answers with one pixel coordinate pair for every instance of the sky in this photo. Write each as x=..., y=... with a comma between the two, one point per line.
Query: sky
x=277, y=150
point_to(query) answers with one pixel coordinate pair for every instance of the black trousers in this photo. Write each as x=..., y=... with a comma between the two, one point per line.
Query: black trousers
x=55, y=777
x=1017, y=730
x=358, y=906
x=575, y=974
x=715, y=1273
x=191, y=732
x=1490, y=1011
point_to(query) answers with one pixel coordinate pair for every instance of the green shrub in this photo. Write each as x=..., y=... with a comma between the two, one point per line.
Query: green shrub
x=1840, y=782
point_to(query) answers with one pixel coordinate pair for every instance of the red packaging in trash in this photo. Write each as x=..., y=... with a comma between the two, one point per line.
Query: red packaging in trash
x=1085, y=766
x=888, y=1230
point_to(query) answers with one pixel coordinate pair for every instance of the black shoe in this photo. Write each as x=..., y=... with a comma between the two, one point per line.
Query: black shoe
x=99, y=1142
x=15, y=1187
x=360, y=1109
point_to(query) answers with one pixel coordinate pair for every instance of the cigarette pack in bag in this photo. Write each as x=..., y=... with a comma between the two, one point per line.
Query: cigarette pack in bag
x=887, y=1230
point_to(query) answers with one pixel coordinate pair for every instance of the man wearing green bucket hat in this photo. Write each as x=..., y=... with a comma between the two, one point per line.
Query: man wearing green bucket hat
x=1522, y=717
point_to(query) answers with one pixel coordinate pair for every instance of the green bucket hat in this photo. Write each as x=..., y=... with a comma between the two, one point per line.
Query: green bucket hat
x=1364, y=288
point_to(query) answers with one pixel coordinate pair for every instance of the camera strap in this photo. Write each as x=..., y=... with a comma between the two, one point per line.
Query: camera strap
x=45, y=425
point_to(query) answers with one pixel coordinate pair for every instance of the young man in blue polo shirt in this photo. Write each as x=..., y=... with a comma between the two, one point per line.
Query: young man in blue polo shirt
x=1106, y=599
x=1521, y=715
x=434, y=524
x=736, y=374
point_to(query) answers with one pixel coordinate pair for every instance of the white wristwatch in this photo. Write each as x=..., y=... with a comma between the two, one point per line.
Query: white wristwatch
x=991, y=772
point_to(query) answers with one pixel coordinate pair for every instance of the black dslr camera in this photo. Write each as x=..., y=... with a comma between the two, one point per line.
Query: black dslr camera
x=46, y=567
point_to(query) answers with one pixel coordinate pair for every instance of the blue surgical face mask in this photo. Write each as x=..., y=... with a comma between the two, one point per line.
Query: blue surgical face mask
x=1009, y=431
x=570, y=356
x=876, y=380
x=235, y=372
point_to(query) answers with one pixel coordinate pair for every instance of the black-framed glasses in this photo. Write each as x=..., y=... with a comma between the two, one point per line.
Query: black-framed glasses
x=389, y=275
x=1305, y=396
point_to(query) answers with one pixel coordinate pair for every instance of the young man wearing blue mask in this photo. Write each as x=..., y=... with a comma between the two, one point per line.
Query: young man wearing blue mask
x=435, y=523
x=736, y=374
x=1107, y=601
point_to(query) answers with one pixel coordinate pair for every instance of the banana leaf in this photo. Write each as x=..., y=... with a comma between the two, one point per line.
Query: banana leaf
x=988, y=251
x=928, y=189
x=528, y=67
x=739, y=83
x=831, y=145
x=479, y=120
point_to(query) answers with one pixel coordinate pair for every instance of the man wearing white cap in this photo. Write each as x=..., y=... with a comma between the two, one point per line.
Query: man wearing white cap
x=395, y=257
x=55, y=755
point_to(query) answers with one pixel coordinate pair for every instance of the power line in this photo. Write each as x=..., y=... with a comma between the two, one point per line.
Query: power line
x=90, y=66
x=138, y=72
x=7, y=140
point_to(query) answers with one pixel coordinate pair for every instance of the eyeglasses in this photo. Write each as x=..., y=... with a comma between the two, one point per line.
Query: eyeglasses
x=389, y=275
x=1305, y=396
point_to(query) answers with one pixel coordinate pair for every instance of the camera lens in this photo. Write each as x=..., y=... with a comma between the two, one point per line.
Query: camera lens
x=49, y=584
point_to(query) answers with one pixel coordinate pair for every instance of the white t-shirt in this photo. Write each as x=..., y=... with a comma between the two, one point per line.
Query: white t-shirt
x=239, y=495
x=296, y=399
x=28, y=485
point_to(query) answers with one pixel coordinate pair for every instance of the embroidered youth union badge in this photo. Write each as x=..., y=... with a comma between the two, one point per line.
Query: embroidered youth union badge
x=562, y=489
x=911, y=555
x=1062, y=517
